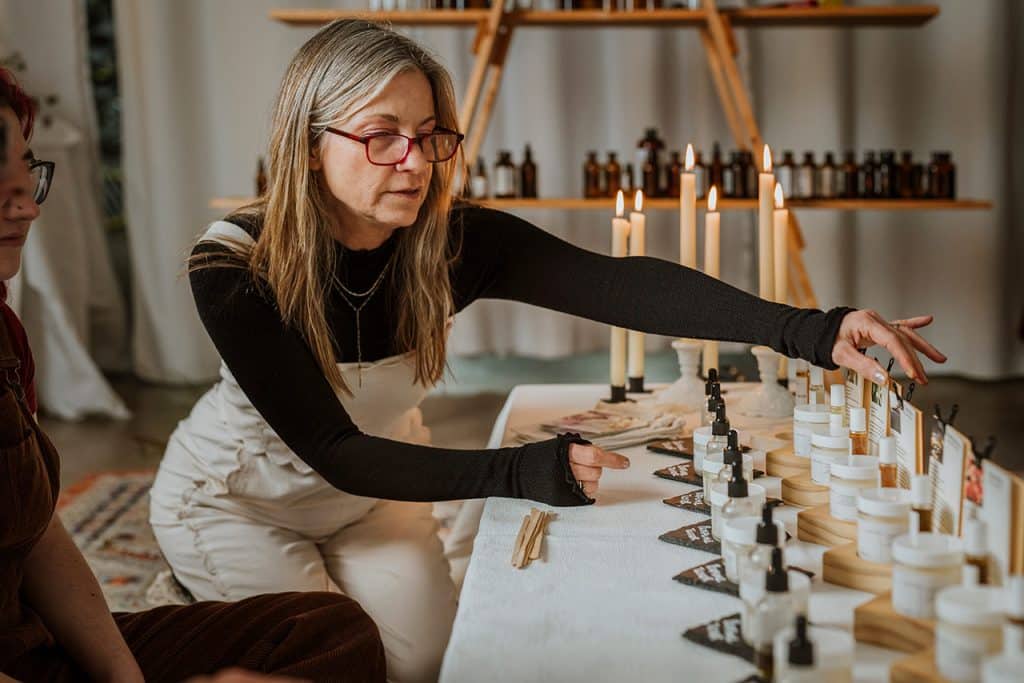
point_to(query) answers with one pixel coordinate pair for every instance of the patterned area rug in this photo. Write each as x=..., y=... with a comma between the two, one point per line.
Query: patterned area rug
x=107, y=515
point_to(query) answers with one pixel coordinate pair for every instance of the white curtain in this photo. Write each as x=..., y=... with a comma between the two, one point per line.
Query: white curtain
x=198, y=79
x=66, y=292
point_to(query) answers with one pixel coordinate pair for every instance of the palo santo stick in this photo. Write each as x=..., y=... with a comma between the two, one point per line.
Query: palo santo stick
x=538, y=540
x=531, y=528
x=520, y=538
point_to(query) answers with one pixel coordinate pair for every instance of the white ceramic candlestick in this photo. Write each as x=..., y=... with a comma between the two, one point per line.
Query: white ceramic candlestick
x=637, y=247
x=687, y=391
x=712, y=259
x=765, y=206
x=620, y=236
x=770, y=399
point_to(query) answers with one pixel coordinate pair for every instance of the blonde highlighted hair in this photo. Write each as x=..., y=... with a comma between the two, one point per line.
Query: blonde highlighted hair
x=334, y=74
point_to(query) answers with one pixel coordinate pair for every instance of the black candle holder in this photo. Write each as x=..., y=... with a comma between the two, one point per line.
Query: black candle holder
x=618, y=395
x=636, y=386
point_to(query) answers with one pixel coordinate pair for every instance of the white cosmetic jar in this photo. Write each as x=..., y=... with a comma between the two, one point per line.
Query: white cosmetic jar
x=825, y=450
x=807, y=421
x=969, y=629
x=923, y=564
x=846, y=481
x=882, y=515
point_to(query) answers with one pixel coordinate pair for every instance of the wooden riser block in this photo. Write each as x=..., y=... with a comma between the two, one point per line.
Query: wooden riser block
x=841, y=566
x=782, y=463
x=919, y=668
x=801, y=491
x=816, y=525
x=877, y=623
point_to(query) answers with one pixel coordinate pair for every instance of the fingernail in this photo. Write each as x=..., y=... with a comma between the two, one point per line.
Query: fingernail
x=879, y=377
x=625, y=463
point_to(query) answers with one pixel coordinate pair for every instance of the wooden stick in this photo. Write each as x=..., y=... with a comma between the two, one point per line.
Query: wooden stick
x=520, y=558
x=520, y=538
x=495, y=70
x=538, y=540
x=487, y=37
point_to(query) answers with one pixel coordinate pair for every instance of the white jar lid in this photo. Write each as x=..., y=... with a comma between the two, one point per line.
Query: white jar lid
x=969, y=606
x=928, y=550
x=857, y=467
x=858, y=419
x=837, y=395
x=885, y=502
x=811, y=412
x=887, y=450
x=839, y=441
x=741, y=530
x=702, y=435
x=720, y=493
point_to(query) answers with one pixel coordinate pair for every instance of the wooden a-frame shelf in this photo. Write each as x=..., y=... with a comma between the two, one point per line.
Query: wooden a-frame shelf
x=579, y=204
x=838, y=17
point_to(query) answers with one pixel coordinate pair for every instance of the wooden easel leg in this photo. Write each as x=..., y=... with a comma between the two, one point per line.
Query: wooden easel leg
x=483, y=47
x=803, y=291
x=495, y=71
x=719, y=32
x=718, y=77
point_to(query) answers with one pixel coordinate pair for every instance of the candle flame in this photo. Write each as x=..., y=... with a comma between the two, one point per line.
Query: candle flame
x=778, y=196
x=638, y=200
x=620, y=204
x=767, y=160
x=713, y=199
x=689, y=157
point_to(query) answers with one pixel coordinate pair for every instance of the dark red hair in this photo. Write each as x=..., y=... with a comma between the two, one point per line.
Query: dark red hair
x=11, y=95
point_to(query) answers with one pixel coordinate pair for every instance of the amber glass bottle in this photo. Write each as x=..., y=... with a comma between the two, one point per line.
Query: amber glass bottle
x=739, y=175
x=675, y=167
x=885, y=177
x=612, y=175
x=786, y=174
x=805, y=177
x=847, y=185
x=592, y=177
x=905, y=175
x=700, y=173
x=716, y=168
x=504, y=176
x=528, y=176
x=826, y=177
x=628, y=182
x=749, y=175
x=866, y=177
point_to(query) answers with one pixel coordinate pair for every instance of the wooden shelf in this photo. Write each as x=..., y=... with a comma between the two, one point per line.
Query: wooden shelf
x=228, y=203
x=754, y=17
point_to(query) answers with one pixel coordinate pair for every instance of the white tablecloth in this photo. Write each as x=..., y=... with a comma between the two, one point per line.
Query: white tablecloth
x=601, y=605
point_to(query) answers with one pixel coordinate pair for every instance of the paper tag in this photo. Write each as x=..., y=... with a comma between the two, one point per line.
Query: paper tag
x=973, y=494
x=878, y=416
x=947, y=475
x=692, y=501
x=997, y=511
x=709, y=576
x=697, y=536
x=854, y=390
x=683, y=472
x=723, y=635
x=680, y=448
x=905, y=424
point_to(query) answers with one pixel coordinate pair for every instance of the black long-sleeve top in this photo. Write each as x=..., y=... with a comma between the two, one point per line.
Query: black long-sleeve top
x=500, y=257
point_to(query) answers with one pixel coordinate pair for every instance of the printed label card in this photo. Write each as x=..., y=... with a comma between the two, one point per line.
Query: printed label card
x=722, y=635
x=684, y=472
x=709, y=576
x=906, y=424
x=996, y=500
x=692, y=502
x=855, y=388
x=878, y=415
x=697, y=536
x=680, y=448
x=947, y=473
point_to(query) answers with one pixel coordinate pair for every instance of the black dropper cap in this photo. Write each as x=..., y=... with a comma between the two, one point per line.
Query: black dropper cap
x=720, y=427
x=715, y=398
x=737, y=484
x=801, y=649
x=767, y=532
x=711, y=380
x=776, y=580
x=733, y=456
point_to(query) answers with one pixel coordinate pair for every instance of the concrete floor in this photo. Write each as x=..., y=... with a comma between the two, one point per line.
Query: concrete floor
x=464, y=420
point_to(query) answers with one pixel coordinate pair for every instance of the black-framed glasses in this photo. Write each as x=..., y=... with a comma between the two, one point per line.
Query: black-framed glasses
x=389, y=149
x=42, y=175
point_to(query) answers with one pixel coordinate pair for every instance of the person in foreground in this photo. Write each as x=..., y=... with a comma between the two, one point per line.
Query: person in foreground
x=54, y=622
x=329, y=301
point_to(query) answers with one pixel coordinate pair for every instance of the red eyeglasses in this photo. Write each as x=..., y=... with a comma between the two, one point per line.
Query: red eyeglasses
x=389, y=149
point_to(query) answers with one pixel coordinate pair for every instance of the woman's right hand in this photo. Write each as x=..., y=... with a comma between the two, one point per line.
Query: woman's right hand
x=588, y=462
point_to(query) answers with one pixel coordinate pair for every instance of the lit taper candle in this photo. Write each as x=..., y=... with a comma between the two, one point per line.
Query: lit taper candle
x=712, y=260
x=637, y=247
x=620, y=238
x=765, y=206
x=688, y=213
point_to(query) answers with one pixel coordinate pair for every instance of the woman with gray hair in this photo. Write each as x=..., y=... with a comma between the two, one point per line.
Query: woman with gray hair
x=329, y=299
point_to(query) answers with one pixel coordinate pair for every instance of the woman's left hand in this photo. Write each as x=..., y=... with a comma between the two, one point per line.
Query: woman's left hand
x=864, y=329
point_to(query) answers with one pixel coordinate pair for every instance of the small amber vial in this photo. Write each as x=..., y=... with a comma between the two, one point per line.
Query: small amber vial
x=921, y=501
x=888, y=471
x=858, y=432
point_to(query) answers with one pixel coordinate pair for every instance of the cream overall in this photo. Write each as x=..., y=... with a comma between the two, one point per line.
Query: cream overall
x=237, y=513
